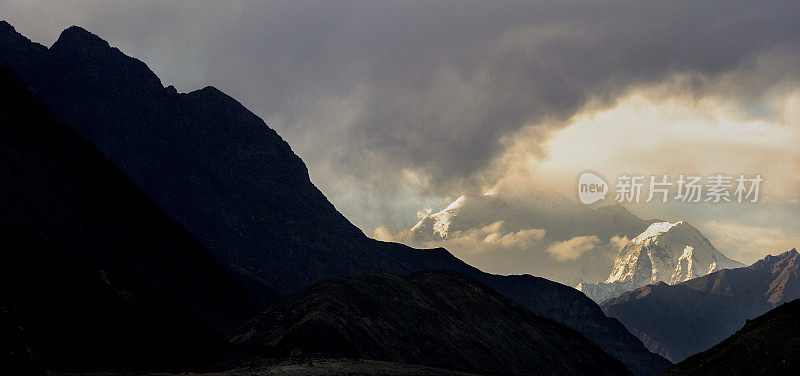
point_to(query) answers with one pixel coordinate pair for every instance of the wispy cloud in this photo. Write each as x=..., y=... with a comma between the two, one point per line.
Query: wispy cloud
x=573, y=248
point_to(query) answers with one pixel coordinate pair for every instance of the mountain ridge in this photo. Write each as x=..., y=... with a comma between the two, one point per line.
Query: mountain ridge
x=435, y=318
x=682, y=319
x=278, y=233
x=94, y=274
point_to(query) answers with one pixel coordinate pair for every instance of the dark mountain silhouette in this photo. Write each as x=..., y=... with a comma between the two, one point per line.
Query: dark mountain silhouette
x=440, y=319
x=683, y=319
x=768, y=345
x=93, y=273
x=241, y=191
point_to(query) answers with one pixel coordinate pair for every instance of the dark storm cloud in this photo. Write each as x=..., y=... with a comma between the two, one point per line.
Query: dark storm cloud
x=443, y=81
x=365, y=89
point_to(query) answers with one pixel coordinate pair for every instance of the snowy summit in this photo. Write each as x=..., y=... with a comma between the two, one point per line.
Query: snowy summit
x=664, y=252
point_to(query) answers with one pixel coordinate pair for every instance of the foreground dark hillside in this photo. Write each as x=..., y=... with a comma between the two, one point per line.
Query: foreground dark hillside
x=92, y=272
x=226, y=176
x=768, y=345
x=440, y=319
x=683, y=319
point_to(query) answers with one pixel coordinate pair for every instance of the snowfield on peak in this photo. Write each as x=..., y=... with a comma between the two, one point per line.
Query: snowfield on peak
x=653, y=231
x=664, y=252
x=441, y=220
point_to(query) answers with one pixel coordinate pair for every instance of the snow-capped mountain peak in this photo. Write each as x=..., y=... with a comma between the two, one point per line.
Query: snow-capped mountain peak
x=440, y=220
x=653, y=231
x=664, y=252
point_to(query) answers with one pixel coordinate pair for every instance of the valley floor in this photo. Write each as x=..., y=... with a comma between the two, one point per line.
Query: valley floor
x=310, y=367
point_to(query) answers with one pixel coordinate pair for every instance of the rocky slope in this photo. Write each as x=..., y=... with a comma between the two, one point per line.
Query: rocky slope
x=440, y=319
x=93, y=274
x=664, y=252
x=767, y=346
x=683, y=319
x=239, y=189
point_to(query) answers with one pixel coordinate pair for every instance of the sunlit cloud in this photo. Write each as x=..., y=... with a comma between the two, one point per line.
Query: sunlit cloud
x=573, y=248
x=654, y=136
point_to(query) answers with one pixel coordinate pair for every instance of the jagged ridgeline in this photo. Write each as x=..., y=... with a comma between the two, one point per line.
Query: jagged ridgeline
x=232, y=182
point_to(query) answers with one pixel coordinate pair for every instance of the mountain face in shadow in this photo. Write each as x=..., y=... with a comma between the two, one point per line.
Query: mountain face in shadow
x=680, y=320
x=239, y=189
x=440, y=319
x=93, y=273
x=768, y=345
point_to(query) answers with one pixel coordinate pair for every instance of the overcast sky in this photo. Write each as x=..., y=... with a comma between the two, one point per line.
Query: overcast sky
x=400, y=105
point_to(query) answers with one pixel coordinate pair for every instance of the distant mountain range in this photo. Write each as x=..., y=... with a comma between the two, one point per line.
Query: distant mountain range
x=682, y=319
x=240, y=190
x=440, y=319
x=664, y=252
x=93, y=273
x=559, y=216
x=519, y=229
x=767, y=345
